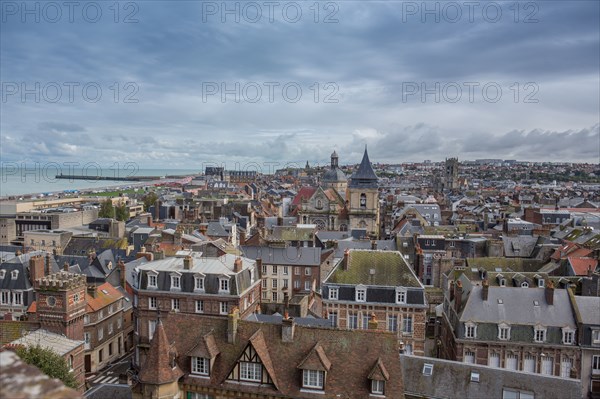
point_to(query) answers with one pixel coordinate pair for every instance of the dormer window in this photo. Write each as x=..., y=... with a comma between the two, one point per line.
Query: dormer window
x=250, y=371
x=2, y=273
x=400, y=295
x=377, y=387
x=313, y=379
x=14, y=274
x=361, y=294
x=427, y=369
x=502, y=282
x=539, y=334
x=568, y=336
x=200, y=366
x=333, y=293
x=541, y=283
x=503, y=332
x=175, y=282
x=524, y=284
x=224, y=285
x=198, y=283
x=470, y=330
x=152, y=280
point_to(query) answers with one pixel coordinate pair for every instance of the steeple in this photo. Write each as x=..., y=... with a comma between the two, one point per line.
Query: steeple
x=364, y=175
x=160, y=366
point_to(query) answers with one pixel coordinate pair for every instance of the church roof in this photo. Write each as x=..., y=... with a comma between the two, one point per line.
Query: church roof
x=334, y=175
x=364, y=176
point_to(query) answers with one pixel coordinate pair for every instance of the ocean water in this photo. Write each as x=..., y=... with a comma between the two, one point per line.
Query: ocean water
x=38, y=179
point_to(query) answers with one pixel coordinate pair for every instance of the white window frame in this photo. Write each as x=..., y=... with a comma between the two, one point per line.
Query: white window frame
x=223, y=308
x=223, y=285
x=14, y=274
x=175, y=304
x=110, y=328
x=152, y=303
x=151, y=328
x=470, y=330
x=199, y=283
x=352, y=323
x=333, y=318
x=378, y=387
x=407, y=325
x=595, y=365
x=427, y=369
x=401, y=295
x=313, y=379
x=494, y=359
x=595, y=337
x=392, y=323
x=334, y=293
x=568, y=336
x=152, y=276
x=503, y=332
x=200, y=308
x=566, y=365
x=100, y=333
x=529, y=359
x=2, y=274
x=250, y=371
x=200, y=366
x=5, y=298
x=511, y=358
x=307, y=285
x=537, y=330
x=361, y=294
x=175, y=282
x=17, y=298
x=469, y=357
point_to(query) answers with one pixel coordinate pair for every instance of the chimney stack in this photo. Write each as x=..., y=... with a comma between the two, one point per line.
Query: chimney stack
x=458, y=296
x=36, y=268
x=48, y=269
x=346, y=259
x=485, y=287
x=188, y=263
x=373, y=244
x=122, y=273
x=259, y=265
x=549, y=293
x=66, y=266
x=288, y=325
x=451, y=291
x=91, y=290
x=237, y=265
x=232, y=325
x=373, y=324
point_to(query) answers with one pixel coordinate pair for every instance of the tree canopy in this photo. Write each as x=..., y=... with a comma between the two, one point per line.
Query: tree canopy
x=51, y=363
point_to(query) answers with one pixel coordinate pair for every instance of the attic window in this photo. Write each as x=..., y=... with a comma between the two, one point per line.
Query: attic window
x=14, y=274
x=474, y=376
x=2, y=273
x=427, y=369
x=524, y=284
x=502, y=282
x=541, y=283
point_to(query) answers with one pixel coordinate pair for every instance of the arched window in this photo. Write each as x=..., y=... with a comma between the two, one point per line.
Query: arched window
x=319, y=204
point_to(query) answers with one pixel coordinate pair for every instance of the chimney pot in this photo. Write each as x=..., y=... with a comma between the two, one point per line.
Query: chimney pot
x=485, y=286
x=188, y=262
x=549, y=293
x=288, y=326
x=237, y=265
x=346, y=259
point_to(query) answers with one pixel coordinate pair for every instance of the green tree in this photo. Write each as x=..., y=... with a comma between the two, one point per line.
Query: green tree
x=122, y=213
x=51, y=363
x=149, y=200
x=107, y=210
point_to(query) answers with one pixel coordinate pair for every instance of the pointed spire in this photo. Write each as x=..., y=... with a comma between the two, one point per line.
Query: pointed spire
x=364, y=175
x=160, y=366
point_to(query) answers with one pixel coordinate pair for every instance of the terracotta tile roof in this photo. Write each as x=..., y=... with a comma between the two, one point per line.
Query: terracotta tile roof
x=32, y=308
x=351, y=355
x=379, y=372
x=260, y=346
x=158, y=368
x=581, y=265
x=206, y=347
x=304, y=193
x=102, y=299
x=316, y=360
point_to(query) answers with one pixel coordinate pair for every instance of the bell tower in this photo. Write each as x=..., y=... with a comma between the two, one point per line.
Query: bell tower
x=61, y=303
x=363, y=198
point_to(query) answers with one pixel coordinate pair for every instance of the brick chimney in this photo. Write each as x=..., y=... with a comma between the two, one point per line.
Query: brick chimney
x=373, y=324
x=91, y=290
x=373, y=244
x=188, y=262
x=48, y=269
x=549, y=293
x=36, y=268
x=66, y=266
x=232, y=325
x=346, y=259
x=122, y=273
x=288, y=326
x=451, y=290
x=458, y=290
x=485, y=287
x=259, y=265
x=237, y=265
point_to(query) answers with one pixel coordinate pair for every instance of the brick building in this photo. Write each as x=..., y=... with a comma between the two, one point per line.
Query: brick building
x=380, y=283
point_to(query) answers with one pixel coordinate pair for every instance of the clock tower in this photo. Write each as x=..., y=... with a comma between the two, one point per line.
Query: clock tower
x=61, y=303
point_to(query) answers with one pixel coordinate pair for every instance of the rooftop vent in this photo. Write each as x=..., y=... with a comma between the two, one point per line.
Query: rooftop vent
x=427, y=369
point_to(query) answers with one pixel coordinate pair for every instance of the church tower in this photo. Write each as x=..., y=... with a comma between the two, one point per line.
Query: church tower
x=363, y=198
x=334, y=177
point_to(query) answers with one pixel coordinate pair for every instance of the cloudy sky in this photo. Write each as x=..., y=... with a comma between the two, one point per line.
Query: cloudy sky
x=181, y=83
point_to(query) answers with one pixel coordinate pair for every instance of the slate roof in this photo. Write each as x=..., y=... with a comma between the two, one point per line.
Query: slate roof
x=21, y=264
x=519, y=246
x=390, y=269
x=450, y=379
x=303, y=256
x=518, y=307
x=334, y=175
x=364, y=176
x=388, y=245
x=589, y=309
x=352, y=355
